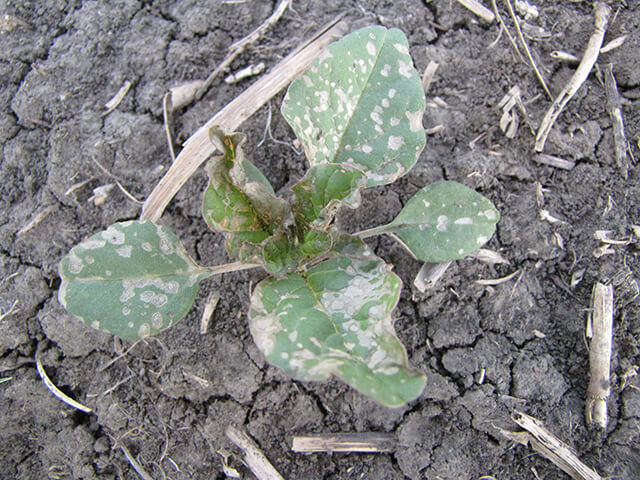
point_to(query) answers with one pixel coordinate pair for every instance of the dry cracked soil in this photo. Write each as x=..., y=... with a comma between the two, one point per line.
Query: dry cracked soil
x=488, y=350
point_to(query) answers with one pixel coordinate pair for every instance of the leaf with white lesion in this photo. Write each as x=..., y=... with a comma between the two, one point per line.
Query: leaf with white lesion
x=361, y=105
x=444, y=221
x=335, y=319
x=133, y=280
x=239, y=199
x=324, y=189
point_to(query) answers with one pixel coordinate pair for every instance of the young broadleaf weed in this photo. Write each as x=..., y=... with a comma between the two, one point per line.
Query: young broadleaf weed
x=326, y=308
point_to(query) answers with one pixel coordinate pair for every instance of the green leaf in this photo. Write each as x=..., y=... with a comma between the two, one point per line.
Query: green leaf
x=324, y=188
x=361, y=105
x=133, y=280
x=315, y=242
x=280, y=256
x=239, y=199
x=444, y=221
x=336, y=320
x=245, y=246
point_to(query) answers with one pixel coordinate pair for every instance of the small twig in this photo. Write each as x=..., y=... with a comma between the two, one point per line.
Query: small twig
x=56, y=391
x=78, y=185
x=497, y=281
x=504, y=27
x=600, y=330
x=433, y=130
x=117, y=181
x=231, y=267
x=552, y=161
x=250, y=71
x=135, y=464
x=102, y=368
x=199, y=147
x=209, y=308
x=428, y=75
x=429, y=275
x=479, y=9
x=489, y=256
x=345, y=442
x=114, y=387
x=112, y=104
x=614, y=108
x=602, y=13
x=564, y=56
x=613, y=44
x=526, y=48
x=550, y=447
x=167, y=110
x=11, y=311
x=36, y=220
x=253, y=457
x=240, y=46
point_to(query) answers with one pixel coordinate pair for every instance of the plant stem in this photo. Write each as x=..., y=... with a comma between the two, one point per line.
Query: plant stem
x=373, y=231
x=230, y=267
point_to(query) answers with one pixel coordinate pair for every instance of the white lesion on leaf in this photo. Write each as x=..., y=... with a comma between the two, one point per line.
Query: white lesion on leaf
x=113, y=235
x=395, y=142
x=415, y=120
x=144, y=330
x=92, y=244
x=405, y=69
x=75, y=264
x=442, y=223
x=124, y=251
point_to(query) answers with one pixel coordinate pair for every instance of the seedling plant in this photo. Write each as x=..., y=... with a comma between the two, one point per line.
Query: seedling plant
x=326, y=307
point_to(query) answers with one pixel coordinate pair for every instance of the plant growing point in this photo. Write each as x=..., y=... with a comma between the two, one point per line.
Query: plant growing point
x=326, y=307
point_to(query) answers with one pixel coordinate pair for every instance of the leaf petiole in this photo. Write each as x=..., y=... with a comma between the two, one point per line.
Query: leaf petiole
x=230, y=267
x=374, y=231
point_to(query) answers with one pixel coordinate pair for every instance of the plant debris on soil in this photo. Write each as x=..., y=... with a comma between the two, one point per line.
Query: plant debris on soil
x=502, y=336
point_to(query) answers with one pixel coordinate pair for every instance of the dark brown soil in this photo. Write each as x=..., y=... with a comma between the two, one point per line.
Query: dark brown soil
x=487, y=350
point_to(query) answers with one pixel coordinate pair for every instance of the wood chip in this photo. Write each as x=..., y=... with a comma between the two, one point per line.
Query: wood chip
x=603, y=250
x=429, y=275
x=557, y=162
x=209, y=308
x=550, y=447
x=345, y=442
x=428, y=75
x=489, y=256
x=182, y=95
x=255, y=460
x=528, y=11
x=614, y=108
x=564, y=56
x=547, y=217
x=479, y=9
x=600, y=331
x=613, y=44
x=100, y=194
x=246, y=72
x=434, y=130
x=603, y=236
x=112, y=104
x=510, y=121
x=577, y=276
